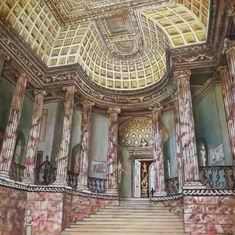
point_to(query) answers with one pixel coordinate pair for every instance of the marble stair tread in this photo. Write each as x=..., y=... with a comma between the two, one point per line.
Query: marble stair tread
x=123, y=233
x=132, y=217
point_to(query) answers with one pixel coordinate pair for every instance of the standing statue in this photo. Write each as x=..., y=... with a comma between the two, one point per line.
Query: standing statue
x=28, y=223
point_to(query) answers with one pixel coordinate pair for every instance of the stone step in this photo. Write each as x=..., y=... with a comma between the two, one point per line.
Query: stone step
x=140, y=220
x=149, y=225
x=132, y=217
x=123, y=223
x=122, y=233
x=125, y=229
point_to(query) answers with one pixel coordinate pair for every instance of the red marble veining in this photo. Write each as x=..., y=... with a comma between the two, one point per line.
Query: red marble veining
x=12, y=210
x=112, y=150
x=158, y=152
x=8, y=146
x=228, y=90
x=187, y=130
x=209, y=215
x=47, y=212
x=62, y=156
x=76, y=208
x=85, y=134
x=33, y=139
x=179, y=154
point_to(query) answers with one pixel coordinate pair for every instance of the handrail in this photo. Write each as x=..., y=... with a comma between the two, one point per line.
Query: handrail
x=97, y=185
x=17, y=171
x=45, y=174
x=218, y=177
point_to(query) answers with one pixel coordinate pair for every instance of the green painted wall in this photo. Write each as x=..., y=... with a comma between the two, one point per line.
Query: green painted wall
x=125, y=184
x=210, y=122
x=76, y=137
x=98, y=145
x=6, y=95
x=169, y=148
x=57, y=131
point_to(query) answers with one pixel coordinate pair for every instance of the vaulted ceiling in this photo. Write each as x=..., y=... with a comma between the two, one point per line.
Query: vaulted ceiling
x=120, y=44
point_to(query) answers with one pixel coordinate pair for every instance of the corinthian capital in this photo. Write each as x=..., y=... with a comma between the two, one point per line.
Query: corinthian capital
x=228, y=44
x=40, y=91
x=221, y=69
x=182, y=75
x=114, y=110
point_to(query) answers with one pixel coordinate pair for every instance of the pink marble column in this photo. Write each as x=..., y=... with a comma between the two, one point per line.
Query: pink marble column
x=33, y=139
x=187, y=130
x=62, y=156
x=84, y=150
x=8, y=146
x=112, y=151
x=160, y=188
x=179, y=153
x=228, y=85
x=227, y=75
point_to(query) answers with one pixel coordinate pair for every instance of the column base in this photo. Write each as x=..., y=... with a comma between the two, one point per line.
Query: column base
x=60, y=183
x=83, y=188
x=4, y=175
x=27, y=181
x=112, y=191
x=193, y=185
x=159, y=194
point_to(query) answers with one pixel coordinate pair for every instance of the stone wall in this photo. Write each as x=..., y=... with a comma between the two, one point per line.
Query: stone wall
x=12, y=210
x=209, y=215
x=77, y=207
x=46, y=211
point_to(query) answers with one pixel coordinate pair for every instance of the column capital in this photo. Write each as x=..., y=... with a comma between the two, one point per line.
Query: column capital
x=86, y=102
x=182, y=74
x=156, y=108
x=228, y=44
x=24, y=76
x=222, y=68
x=40, y=91
x=114, y=110
x=70, y=89
x=4, y=55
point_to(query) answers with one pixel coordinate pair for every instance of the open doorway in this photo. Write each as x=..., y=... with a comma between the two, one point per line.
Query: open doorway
x=142, y=178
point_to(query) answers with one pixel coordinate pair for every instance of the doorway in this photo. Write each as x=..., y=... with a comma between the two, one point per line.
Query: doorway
x=142, y=178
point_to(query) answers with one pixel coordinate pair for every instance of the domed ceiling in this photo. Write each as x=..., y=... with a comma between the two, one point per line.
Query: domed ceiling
x=120, y=44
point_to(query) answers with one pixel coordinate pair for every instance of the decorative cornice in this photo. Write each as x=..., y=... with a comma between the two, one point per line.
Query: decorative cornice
x=208, y=192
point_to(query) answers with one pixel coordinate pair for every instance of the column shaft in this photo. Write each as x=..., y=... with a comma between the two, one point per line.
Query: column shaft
x=187, y=130
x=84, y=150
x=160, y=188
x=112, y=151
x=228, y=91
x=33, y=139
x=179, y=154
x=8, y=146
x=62, y=156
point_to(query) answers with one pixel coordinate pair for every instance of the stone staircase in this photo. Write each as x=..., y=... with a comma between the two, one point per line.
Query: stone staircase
x=132, y=217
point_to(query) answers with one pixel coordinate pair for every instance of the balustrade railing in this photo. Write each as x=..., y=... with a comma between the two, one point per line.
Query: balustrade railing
x=17, y=171
x=97, y=185
x=220, y=177
x=45, y=174
x=72, y=179
x=172, y=185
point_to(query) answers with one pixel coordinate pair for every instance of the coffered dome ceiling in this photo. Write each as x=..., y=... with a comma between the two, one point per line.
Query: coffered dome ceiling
x=120, y=44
